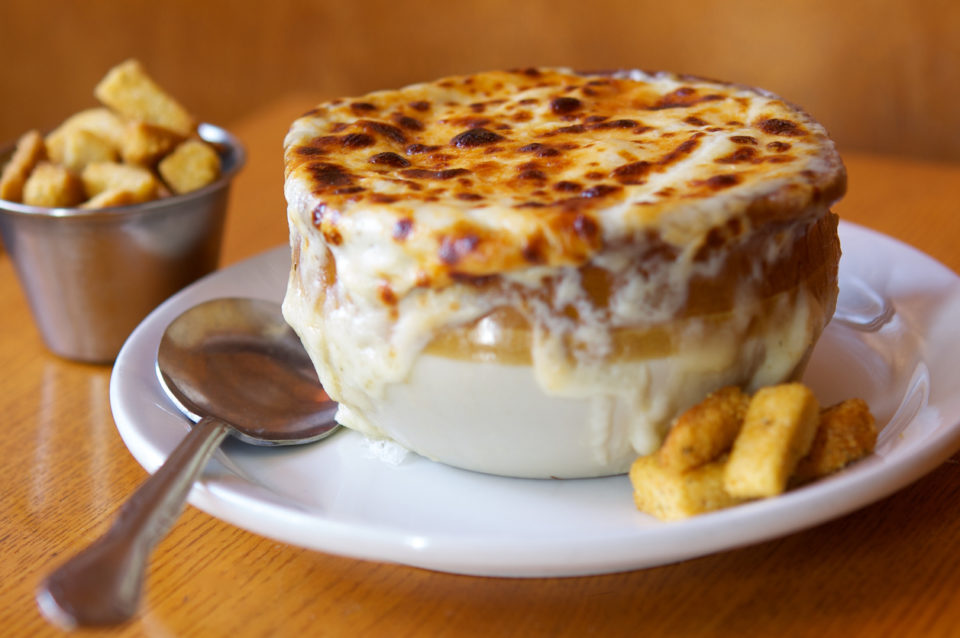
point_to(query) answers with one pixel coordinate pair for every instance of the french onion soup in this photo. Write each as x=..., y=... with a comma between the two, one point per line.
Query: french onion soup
x=531, y=273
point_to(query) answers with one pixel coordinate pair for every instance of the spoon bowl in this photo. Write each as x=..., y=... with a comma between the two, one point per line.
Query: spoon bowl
x=211, y=356
x=234, y=367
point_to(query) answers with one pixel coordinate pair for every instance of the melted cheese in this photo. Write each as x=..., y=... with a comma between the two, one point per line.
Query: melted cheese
x=423, y=210
x=486, y=174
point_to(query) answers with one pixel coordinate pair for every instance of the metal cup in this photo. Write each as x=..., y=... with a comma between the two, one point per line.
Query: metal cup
x=90, y=276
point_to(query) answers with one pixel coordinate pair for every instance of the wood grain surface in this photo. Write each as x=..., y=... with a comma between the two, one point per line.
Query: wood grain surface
x=890, y=569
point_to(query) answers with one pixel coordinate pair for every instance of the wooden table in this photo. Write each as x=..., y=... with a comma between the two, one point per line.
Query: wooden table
x=889, y=569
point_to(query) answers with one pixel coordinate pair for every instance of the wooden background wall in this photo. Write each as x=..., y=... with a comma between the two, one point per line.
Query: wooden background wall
x=882, y=75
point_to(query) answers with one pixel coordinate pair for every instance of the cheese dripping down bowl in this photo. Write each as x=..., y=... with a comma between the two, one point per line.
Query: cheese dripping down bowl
x=531, y=273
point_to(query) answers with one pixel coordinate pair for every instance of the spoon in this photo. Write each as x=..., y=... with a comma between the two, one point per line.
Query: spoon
x=234, y=367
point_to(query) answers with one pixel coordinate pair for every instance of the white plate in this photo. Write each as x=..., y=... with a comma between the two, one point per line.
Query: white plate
x=892, y=343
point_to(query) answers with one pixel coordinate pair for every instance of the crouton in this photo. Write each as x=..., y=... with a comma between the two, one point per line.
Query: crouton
x=705, y=431
x=190, y=166
x=104, y=176
x=847, y=432
x=672, y=495
x=778, y=430
x=29, y=152
x=130, y=91
x=52, y=186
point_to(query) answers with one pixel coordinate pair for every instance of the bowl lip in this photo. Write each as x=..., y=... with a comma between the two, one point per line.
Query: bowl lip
x=215, y=135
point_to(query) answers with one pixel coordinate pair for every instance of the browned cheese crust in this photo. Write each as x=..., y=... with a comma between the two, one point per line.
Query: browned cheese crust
x=551, y=167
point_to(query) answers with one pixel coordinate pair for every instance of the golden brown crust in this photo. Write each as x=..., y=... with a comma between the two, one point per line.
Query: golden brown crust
x=705, y=431
x=847, y=432
x=130, y=91
x=30, y=151
x=778, y=430
x=191, y=166
x=695, y=472
x=499, y=171
x=52, y=186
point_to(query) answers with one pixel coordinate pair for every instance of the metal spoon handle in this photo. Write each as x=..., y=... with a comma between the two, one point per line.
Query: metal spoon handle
x=101, y=585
